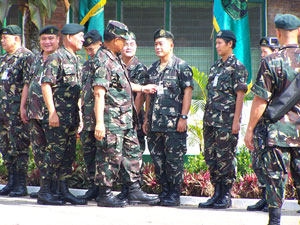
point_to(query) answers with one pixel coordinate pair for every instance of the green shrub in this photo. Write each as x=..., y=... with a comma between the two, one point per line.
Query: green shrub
x=244, y=162
x=196, y=164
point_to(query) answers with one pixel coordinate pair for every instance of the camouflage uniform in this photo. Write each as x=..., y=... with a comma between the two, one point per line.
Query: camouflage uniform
x=166, y=145
x=87, y=137
x=282, y=150
x=14, y=69
x=62, y=70
x=137, y=73
x=225, y=79
x=119, y=151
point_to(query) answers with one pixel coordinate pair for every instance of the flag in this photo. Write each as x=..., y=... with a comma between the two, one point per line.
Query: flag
x=91, y=14
x=233, y=15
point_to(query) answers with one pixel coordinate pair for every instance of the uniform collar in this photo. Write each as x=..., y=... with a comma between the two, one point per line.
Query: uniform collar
x=228, y=61
x=132, y=63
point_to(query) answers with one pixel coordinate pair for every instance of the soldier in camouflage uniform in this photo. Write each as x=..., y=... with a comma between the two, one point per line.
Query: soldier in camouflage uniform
x=118, y=151
x=282, y=151
x=267, y=47
x=14, y=134
x=61, y=91
x=166, y=116
x=221, y=122
x=137, y=73
x=92, y=42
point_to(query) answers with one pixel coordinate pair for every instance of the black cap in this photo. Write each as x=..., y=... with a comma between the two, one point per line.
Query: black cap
x=117, y=28
x=161, y=33
x=49, y=29
x=287, y=22
x=11, y=30
x=226, y=34
x=72, y=28
x=270, y=42
x=91, y=37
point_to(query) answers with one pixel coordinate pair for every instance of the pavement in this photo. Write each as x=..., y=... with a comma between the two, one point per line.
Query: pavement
x=25, y=211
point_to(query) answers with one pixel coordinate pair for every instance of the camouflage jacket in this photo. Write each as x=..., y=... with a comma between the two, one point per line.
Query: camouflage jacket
x=224, y=80
x=274, y=76
x=166, y=103
x=110, y=73
x=35, y=101
x=15, y=71
x=62, y=70
x=87, y=97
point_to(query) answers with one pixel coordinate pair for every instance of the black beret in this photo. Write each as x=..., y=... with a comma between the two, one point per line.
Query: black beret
x=270, y=42
x=49, y=29
x=161, y=33
x=11, y=30
x=72, y=28
x=287, y=22
x=118, y=29
x=91, y=37
x=226, y=34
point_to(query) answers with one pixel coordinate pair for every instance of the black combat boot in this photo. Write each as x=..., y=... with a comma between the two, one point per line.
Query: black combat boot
x=107, y=199
x=10, y=184
x=165, y=188
x=67, y=196
x=20, y=188
x=45, y=197
x=91, y=193
x=34, y=194
x=137, y=196
x=298, y=193
x=210, y=202
x=261, y=204
x=224, y=201
x=274, y=216
x=124, y=193
x=173, y=197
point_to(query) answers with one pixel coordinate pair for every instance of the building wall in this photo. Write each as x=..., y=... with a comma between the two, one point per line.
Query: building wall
x=59, y=16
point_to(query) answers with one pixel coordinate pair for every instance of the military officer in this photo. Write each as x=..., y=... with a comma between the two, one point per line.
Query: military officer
x=282, y=151
x=92, y=42
x=118, y=152
x=137, y=73
x=14, y=134
x=61, y=92
x=166, y=116
x=221, y=122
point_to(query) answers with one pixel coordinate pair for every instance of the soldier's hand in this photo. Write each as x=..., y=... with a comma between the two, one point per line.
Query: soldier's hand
x=182, y=125
x=150, y=88
x=80, y=127
x=53, y=119
x=235, y=127
x=23, y=114
x=249, y=140
x=145, y=127
x=99, y=131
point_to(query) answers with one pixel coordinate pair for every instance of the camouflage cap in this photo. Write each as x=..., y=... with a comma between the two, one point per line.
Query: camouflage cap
x=118, y=29
x=49, y=29
x=287, y=22
x=72, y=28
x=91, y=37
x=11, y=30
x=131, y=35
x=270, y=42
x=161, y=33
x=226, y=34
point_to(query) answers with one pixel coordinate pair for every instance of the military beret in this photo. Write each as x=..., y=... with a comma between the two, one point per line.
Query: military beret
x=287, y=22
x=270, y=42
x=91, y=37
x=131, y=35
x=226, y=34
x=118, y=29
x=11, y=30
x=49, y=29
x=72, y=28
x=161, y=33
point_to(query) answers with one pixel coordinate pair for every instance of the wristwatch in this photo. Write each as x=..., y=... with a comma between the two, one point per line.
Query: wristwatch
x=183, y=117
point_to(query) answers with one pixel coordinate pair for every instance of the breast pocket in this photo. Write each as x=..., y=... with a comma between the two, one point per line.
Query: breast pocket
x=70, y=76
x=225, y=82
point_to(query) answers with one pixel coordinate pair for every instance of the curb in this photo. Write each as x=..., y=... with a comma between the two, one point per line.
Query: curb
x=238, y=203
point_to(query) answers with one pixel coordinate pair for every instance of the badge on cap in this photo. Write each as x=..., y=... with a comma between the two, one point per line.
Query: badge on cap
x=89, y=40
x=220, y=33
x=162, y=33
x=264, y=42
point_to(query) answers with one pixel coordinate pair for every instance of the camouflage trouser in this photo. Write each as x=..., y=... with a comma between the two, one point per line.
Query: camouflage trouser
x=220, y=154
x=88, y=142
x=62, y=145
x=167, y=150
x=276, y=163
x=14, y=144
x=118, y=154
x=38, y=141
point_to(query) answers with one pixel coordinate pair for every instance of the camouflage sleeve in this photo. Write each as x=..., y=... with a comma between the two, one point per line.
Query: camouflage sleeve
x=263, y=84
x=100, y=77
x=186, y=76
x=240, y=77
x=140, y=75
x=51, y=69
x=28, y=60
